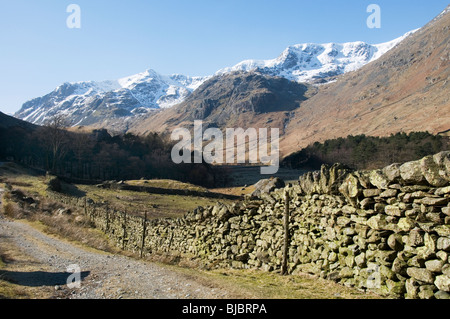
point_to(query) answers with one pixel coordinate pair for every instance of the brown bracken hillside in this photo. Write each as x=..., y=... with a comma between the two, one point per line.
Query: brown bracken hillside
x=406, y=90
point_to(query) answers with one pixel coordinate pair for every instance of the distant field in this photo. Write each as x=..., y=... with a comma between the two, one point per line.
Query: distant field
x=166, y=183
x=156, y=205
x=136, y=202
x=249, y=175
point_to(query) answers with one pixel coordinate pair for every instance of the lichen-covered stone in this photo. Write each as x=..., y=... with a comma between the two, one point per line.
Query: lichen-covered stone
x=350, y=187
x=392, y=172
x=443, y=230
x=443, y=243
x=378, y=179
x=411, y=173
x=406, y=224
x=415, y=238
x=395, y=242
x=442, y=159
x=395, y=288
x=392, y=210
x=389, y=193
x=426, y=292
x=434, y=265
x=420, y=274
x=377, y=222
x=442, y=191
x=442, y=295
x=432, y=172
x=442, y=282
x=371, y=192
x=412, y=289
x=268, y=185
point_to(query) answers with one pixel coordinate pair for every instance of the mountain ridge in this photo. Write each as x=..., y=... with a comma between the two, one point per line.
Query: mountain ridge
x=117, y=103
x=406, y=90
x=308, y=62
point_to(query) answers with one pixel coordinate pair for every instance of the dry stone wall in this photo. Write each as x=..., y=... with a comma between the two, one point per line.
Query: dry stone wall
x=385, y=230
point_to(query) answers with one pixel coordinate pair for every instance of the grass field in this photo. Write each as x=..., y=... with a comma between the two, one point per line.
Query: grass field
x=133, y=202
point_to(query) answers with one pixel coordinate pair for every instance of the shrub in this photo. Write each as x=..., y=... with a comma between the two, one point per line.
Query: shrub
x=54, y=184
x=11, y=210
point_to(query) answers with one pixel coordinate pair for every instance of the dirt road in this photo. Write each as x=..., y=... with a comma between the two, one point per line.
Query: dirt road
x=103, y=276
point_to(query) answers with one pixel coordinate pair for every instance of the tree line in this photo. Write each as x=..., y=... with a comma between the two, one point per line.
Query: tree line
x=99, y=155
x=368, y=152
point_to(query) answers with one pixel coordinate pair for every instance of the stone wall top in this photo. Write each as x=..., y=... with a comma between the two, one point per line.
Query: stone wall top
x=430, y=171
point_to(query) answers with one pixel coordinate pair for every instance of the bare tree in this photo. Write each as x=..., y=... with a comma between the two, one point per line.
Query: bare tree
x=56, y=138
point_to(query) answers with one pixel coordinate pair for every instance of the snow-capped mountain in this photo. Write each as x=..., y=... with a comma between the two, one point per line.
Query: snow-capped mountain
x=312, y=62
x=85, y=103
x=89, y=103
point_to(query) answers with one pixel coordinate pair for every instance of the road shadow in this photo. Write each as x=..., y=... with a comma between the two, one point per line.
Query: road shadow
x=39, y=278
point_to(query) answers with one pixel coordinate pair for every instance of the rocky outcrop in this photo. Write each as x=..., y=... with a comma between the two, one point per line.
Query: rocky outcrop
x=268, y=185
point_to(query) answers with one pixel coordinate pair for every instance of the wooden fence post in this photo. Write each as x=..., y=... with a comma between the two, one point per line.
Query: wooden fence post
x=107, y=219
x=284, y=270
x=124, y=226
x=144, y=228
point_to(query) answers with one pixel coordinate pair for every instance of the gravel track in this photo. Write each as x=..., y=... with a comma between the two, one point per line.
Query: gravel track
x=104, y=275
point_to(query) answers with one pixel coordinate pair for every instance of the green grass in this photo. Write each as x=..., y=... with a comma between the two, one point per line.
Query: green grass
x=137, y=203
x=156, y=205
x=19, y=263
x=256, y=284
x=166, y=184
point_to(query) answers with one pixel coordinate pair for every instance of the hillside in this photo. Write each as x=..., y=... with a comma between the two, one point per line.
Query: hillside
x=238, y=99
x=7, y=121
x=406, y=90
x=399, y=86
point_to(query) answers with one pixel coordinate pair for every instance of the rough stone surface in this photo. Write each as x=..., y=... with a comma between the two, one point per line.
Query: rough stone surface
x=378, y=179
x=443, y=283
x=431, y=172
x=420, y=274
x=411, y=173
x=392, y=172
x=267, y=185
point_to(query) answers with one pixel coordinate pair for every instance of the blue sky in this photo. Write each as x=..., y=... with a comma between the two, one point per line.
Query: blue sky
x=197, y=37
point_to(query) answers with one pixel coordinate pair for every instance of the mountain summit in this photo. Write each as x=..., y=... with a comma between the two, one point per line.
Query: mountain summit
x=406, y=90
x=318, y=63
x=115, y=104
x=88, y=103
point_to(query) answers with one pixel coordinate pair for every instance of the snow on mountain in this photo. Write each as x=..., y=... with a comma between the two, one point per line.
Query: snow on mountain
x=87, y=103
x=310, y=62
x=84, y=103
